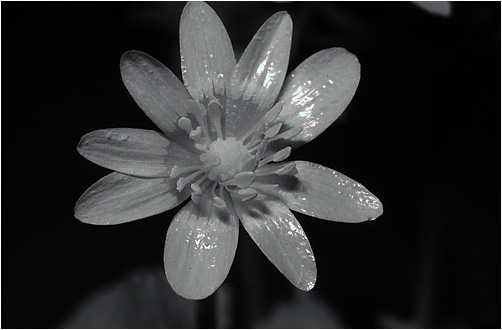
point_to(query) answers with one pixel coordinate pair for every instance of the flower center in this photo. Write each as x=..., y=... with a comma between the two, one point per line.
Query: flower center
x=232, y=156
x=230, y=165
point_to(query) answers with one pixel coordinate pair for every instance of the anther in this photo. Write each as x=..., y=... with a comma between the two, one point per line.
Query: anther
x=185, y=124
x=247, y=194
x=278, y=169
x=177, y=171
x=267, y=118
x=265, y=187
x=277, y=157
x=219, y=202
x=287, y=169
x=196, y=188
x=286, y=135
x=195, y=197
x=272, y=131
x=244, y=179
x=182, y=182
x=215, y=111
x=199, y=112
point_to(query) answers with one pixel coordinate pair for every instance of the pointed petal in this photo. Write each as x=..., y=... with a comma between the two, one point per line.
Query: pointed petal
x=207, y=57
x=158, y=92
x=135, y=152
x=326, y=194
x=119, y=198
x=200, y=248
x=281, y=238
x=317, y=92
x=258, y=77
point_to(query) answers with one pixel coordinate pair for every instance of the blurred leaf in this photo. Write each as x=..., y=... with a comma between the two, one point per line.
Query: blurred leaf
x=142, y=299
x=304, y=311
x=442, y=8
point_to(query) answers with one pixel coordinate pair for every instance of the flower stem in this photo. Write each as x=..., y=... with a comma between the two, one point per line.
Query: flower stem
x=206, y=312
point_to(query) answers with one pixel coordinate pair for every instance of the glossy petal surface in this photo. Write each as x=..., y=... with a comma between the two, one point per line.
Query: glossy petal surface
x=207, y=57
x=317, y=92
x=259, y=75
x=119, y=198
x=326, y=194
x=200, y=248
x=136, y=152
x=281, y=238
x=158, y=92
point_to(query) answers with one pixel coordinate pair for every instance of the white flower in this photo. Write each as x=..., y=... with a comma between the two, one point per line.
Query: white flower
x=224, y=135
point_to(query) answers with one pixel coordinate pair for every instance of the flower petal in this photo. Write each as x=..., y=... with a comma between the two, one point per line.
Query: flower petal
x=326, y=194
x=200, y=248
x=135, y=152
x=158, y=92
x=119, y=198
x=258, y=77
x=281, y=238
x=207, y=57
x=317, y=92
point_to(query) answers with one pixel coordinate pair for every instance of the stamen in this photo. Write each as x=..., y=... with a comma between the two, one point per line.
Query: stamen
x=260, y=197
x=215, y=111
x=200, y=142
x=198, y=188
x=185, y=124
x=241, y=180
x=277, y=157
x=267, y=118
x=265, y=187
x=272, y=131
x=177, y=171
x=199, y=112
x=219, y=202
x=259, y=153
x=195, y=198
x=254, y=143
x=244, y=179
x=196, y=134
x=278, y=169
x=287, y=134
x=182, y=182
x=247, y=194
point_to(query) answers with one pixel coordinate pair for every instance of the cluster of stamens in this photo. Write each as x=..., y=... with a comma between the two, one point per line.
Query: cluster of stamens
x=230, y=164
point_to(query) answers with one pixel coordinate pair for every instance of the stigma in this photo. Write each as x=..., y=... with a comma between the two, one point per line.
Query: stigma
x=229, y=165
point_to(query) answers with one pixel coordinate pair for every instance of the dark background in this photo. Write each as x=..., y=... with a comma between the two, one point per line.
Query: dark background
x=422, y=133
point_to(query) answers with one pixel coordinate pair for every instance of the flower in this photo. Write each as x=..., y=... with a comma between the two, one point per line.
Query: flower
x=225, y=133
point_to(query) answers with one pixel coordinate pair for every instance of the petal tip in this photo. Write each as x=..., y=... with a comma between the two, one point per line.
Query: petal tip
x=195, y=5
x=79, y=212
x=378, y=211
x=131, y=56
x=284, y=18
x=307, y=285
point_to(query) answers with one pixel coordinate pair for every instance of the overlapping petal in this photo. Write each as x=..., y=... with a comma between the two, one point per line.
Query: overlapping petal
x=258, y=77
x=119, y=198
x=317, y=92
x=281, y=238
x=207, y=57
x=200, y=248
x=158, y=92
x=136, y=152
x=326, y=194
